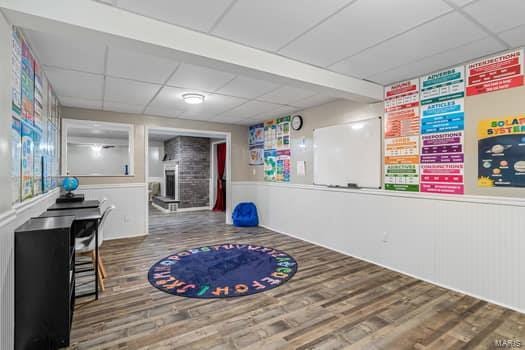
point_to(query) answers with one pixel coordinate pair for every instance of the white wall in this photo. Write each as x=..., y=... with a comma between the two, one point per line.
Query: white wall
x=472, y=244
x=155, y=156
x=83, y=160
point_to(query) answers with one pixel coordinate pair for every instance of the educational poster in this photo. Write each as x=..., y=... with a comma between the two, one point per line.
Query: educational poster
x=256, y=144
x=37, y=162
x=283, y=133
x=282, y=172
x=270, y=164
x=402, y=126
x=16, y=71
x=501, y=152
x=16, y=145
x=27, y=84
x=48, y=163
x=442, y=125
x=270, y=135
x=39, y=100
x=503, y=71
x=27, y=161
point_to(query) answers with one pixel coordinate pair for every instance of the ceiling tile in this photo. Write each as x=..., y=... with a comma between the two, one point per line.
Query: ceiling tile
x=201, y=78
x=247, y=87
x=80, y=102
x=122, y=107
x=314, y=101
x=213, y=104
x=514, y=37
x=124, y=91
x=461, y=2
x=249, y=109
x=445, y=59
x=133, y=65
x=498, y=15
x=360, y=26
x=449, y=31
x=76, y=84
x=53, y=50
x=195, y=14
x=168, y=102
x=286, y=95
x=270, y=24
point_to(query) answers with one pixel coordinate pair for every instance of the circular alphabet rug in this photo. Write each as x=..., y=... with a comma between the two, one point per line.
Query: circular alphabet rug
x=222, y=271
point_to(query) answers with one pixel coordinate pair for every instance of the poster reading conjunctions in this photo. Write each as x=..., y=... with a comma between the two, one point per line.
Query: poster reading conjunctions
x=16, y=141
x=501, y=152
x=256, y=144
x=503, y=71
x=27, y=161
x=402, y=136
x=442, y=125
x=16, y=71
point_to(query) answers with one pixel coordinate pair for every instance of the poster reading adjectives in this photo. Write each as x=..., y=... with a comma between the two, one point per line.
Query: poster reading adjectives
x=503, y=71
x=442, y=125
x=27, y=161
x=501, y=152
x=27, y=84
x=256, y=144
x=401, y=136
x=16, y=71
x=16, y=141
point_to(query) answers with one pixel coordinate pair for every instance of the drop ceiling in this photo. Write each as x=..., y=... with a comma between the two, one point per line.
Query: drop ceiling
x=377, y=40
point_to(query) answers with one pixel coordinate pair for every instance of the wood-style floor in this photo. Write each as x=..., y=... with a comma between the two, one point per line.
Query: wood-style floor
x=333, y=302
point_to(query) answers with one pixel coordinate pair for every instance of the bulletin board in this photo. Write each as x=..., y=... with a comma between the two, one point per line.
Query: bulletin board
x=277, y=152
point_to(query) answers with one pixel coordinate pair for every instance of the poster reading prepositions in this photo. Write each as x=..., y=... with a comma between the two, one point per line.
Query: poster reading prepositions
x=256, y=144
x=503, y=71
x=402, y=127
x=501, y=152
x=16, y=144
x=27, y=161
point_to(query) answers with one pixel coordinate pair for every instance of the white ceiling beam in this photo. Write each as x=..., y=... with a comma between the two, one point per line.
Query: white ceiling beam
x=90, y=19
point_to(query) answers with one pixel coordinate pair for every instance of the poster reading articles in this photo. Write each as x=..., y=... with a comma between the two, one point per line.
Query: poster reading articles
x=501, y=152
x=503, y=71
x=402, y=136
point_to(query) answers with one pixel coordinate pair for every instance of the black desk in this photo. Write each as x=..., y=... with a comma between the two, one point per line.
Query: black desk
x=81, y=214
x=75, y=205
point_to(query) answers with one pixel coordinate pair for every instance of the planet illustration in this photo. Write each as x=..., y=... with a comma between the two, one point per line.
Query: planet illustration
x=487, y=165
x=496, y=171
x=504, y=163
x=497, y=149
x=519, y=166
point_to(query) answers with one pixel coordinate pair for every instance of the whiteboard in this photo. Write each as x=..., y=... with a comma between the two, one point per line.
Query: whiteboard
x=348, y=154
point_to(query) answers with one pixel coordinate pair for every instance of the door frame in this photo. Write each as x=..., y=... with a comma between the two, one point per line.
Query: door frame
x=213, y=170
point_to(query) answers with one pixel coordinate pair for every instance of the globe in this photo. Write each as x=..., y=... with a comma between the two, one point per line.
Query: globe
x=70, y=183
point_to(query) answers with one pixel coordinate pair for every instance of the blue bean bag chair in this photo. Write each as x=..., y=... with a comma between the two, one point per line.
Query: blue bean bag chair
x=245, y=215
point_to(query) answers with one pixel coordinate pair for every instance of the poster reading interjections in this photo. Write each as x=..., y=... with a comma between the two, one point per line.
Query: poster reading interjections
x=402, y=136
x=501, y=152
x=16, y=144
x=256, y=144
x=16, y=71
x=277, y=153
x=27, y=84
x=27, y=161
x=503, y=71
x=442, y=125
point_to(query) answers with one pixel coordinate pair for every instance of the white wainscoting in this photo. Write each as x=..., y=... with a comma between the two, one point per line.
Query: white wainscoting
x=129, y=219
x=472, y=244
x=9, y=221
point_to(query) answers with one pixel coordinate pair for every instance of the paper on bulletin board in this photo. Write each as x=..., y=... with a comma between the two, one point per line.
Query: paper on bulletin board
x=16, y=72
x=501, y=152
x=445, y=85
x=402, y=177
x=499, y=72
x=16, y=149
x=443, y=116
x=27, y=161
x=27, y=84
x=301, y=168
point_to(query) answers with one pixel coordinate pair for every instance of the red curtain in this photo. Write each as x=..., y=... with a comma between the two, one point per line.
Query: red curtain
x=220, y=203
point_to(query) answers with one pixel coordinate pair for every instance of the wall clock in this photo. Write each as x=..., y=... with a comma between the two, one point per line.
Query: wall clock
x=297, y=122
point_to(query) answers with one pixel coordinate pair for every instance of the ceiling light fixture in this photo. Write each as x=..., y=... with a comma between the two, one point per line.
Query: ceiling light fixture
x=193, y=99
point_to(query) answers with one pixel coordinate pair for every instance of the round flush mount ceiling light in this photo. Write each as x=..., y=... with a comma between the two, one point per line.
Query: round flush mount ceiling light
x=193, y=99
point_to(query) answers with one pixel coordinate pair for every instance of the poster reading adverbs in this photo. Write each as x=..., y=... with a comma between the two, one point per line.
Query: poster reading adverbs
x=282, y=173
x=442, y=86
x=270, y=164
x=27, y=84
x=16, y=71
x=16, y=145
x=500, y=72
x=27, y=161
x=402, y=136
x=256, y=144
x=442, y=161
x=501, y=152
x=37, y=162
x=39, y=99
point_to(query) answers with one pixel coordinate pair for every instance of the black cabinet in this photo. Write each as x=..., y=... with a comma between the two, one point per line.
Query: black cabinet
x=44, y=283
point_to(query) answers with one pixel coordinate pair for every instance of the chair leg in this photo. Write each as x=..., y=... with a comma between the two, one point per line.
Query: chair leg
x=100, y=280
x=101, y=266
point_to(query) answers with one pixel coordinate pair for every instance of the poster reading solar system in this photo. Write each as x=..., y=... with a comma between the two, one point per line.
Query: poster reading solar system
x=501, y=152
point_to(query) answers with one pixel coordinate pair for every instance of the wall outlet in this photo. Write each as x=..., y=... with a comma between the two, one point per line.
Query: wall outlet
x=385, y=237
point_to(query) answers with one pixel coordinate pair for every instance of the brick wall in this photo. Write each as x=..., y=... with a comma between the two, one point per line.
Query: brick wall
x=193, y=156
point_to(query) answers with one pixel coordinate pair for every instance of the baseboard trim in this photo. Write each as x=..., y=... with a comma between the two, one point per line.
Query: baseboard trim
x=397, y=270
x=164, y=210
x=193, y=209
x=126, y=237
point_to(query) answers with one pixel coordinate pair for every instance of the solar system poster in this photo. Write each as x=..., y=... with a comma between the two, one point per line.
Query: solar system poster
x=501, y=152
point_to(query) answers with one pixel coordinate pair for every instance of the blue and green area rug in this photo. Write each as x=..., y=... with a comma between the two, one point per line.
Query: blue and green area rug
x=222, y=271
